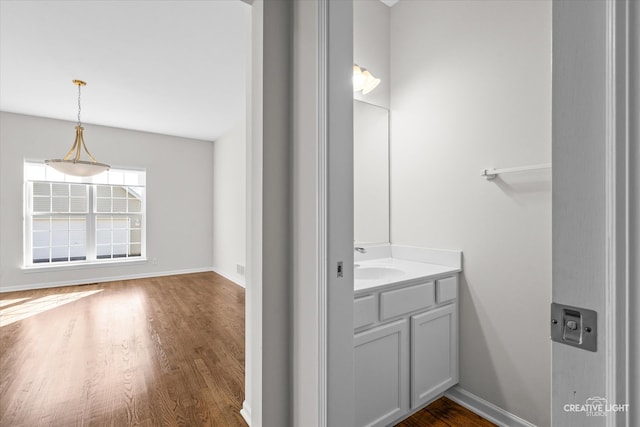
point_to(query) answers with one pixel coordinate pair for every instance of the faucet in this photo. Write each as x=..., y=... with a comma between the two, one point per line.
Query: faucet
x=360, y=249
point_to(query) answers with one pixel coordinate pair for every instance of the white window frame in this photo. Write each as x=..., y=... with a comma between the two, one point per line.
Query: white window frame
x=37, y=171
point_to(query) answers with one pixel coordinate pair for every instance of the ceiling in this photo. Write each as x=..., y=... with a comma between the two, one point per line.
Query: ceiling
x=169, y=67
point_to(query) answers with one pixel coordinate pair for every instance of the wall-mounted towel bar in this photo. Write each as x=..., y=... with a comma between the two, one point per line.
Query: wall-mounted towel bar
x=492, y=173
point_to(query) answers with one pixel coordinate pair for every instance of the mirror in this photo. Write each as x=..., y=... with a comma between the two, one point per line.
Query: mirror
x=371, y=173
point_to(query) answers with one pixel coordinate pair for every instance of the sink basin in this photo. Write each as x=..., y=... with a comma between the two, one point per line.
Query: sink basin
x=377, y=273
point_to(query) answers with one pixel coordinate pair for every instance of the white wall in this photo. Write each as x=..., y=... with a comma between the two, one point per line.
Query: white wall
x=371, y=47
x=471, y=89
x=179, y=197
x=229, y=203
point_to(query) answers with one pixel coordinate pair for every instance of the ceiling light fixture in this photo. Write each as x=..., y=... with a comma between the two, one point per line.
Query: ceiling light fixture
x=75, y=166
x=363, y=80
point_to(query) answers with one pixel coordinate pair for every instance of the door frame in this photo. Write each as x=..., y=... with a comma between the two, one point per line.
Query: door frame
x=593, y=75
x=277, y=273
x=335, y=213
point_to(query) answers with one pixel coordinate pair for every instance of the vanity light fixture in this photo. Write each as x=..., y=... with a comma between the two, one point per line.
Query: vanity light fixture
x=363, y=80
x=74, y=166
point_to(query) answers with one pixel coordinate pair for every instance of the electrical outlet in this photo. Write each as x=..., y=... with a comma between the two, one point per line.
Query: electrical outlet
x=154, y=261
x=240, y=269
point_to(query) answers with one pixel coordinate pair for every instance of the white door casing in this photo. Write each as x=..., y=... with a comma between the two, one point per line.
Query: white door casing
x=284, y=288
x=335, y=189
x=591, y=205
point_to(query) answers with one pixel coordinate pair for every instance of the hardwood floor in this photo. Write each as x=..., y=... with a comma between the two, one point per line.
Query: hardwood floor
x=445, y=413
x=165, y=351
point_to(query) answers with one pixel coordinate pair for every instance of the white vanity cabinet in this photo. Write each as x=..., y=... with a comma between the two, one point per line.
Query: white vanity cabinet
x=434, y=353
x=382, y=373
x=406, y=348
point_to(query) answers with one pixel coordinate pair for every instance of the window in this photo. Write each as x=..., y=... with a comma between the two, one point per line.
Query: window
x=78, y=220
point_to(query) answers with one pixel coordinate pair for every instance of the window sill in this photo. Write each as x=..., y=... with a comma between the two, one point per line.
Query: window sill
x=81, y=265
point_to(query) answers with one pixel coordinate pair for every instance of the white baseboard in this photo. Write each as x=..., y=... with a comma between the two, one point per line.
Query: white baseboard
x=99, y=280
x=238, y=280
x=246, y=412
x=486, y=409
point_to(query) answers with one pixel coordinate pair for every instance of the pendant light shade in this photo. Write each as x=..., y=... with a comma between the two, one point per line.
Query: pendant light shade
x=363, y=80
x=71, y=164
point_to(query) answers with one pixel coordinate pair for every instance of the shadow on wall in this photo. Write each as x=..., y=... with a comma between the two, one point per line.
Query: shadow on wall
x=479, y=363
x=525, y=189
x=479, y=368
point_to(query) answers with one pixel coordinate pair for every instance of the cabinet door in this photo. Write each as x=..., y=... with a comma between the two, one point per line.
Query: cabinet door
x=434, y=353
x=382, y=374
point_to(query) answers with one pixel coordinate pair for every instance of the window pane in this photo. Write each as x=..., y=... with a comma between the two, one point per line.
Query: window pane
x=131, y=178
x=60, y=190
x=116, y=177
x=79, y=190
x=119, y=192
x=104, y=237
x=41, y=204
x=60, y=238
x=40, y=239
x=120, y=223
x=41, y=188
x=103, y=251
x=103, y=190
x=103, y=205
x=135, y=250
x=60, y=204
x=35, y=171
x=54, y=175
x=78, y=205
x=78, y=253
x=60, y=224
x=119, y=205
x=59, y=253
x=77, y=224
x=119, y=251
x=135, y=205
x=40, y=224
x=103, y=223
x=135, y=236
x=77, y=237
x=40, y=255
x=119, y=236
x=135, y=192
x=135, y=221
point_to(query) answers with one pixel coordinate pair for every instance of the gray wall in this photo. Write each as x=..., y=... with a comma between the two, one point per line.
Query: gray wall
x=471, y=89
x=229, y=203
x=634, y=231
x=179, y=197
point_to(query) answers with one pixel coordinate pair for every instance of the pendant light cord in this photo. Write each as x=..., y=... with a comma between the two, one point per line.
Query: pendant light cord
x=79, y=108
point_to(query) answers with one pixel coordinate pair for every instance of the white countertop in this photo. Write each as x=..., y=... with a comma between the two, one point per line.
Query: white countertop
x=412, y=271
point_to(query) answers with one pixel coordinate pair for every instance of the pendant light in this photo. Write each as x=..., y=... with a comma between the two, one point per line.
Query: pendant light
x=75, y=166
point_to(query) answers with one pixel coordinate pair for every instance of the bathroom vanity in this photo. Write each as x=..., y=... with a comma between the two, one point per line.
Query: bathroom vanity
x=406, y=330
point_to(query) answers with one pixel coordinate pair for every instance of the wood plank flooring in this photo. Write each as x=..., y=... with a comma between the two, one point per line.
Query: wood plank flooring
x=166, y=351
x=445, y=413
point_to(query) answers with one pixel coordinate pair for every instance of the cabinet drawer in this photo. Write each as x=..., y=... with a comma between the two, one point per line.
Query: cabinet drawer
x=365, y=311
x=447, y=289
x=402, y=301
